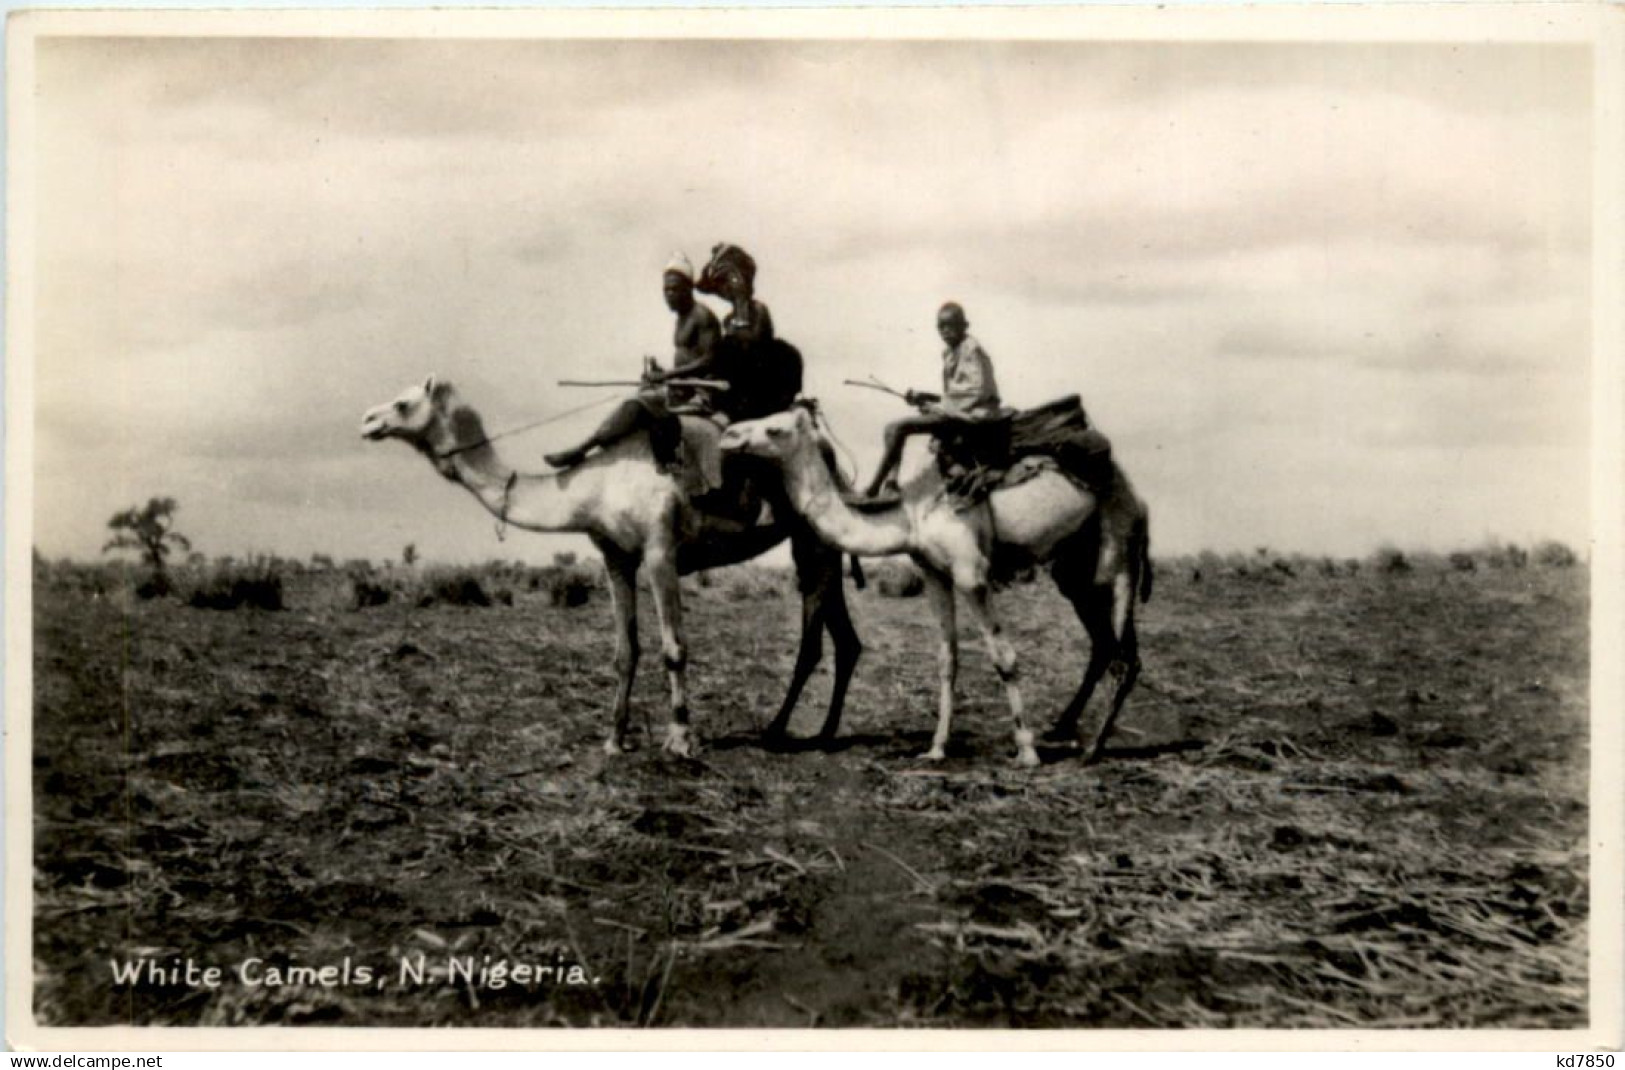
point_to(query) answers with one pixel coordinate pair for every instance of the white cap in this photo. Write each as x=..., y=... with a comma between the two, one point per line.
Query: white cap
x=679, y=265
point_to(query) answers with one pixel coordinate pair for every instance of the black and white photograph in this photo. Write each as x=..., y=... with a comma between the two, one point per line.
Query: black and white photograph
x=813, y=521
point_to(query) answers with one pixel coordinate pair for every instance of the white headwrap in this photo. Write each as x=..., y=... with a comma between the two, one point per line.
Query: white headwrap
x=679, y=265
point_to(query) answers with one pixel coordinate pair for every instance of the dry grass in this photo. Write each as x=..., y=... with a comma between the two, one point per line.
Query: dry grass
x=1338, y=801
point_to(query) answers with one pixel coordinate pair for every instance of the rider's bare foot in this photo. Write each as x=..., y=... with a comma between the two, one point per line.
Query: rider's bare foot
x=885, y=494
x=565, y=458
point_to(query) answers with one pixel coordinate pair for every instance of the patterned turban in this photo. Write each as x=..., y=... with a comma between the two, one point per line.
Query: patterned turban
x=723, y=258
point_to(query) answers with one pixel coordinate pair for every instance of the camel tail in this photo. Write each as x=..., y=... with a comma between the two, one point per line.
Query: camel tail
x=1145, y=559
x=859, y=580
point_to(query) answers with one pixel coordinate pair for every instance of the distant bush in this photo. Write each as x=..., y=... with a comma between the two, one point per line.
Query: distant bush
x=896, y=580
x=365, y=592
x=1554, y=554
x=570, y=586
x=1391, y=561
x=452, y=587
x=1503, y=555
x=254, y=585
x=1463, y=562
x=564, y=558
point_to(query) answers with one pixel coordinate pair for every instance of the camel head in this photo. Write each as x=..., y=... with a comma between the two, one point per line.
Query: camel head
x=778, y=437
x=429, y=418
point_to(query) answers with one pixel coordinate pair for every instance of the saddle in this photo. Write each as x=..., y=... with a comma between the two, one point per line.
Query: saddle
x=688, y=448
x=978, y=458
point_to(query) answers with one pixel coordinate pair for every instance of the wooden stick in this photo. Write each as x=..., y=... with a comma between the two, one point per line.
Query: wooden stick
x=708, y=384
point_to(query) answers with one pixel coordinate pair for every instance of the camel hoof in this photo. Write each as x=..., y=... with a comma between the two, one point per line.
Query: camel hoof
x=935, y=754
x=1026, y=756
x=612, y=747
x=1061, y=737
x=679, y=742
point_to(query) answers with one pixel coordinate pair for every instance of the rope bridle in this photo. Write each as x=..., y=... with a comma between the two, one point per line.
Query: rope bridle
x=502, y=514
x=821, y=422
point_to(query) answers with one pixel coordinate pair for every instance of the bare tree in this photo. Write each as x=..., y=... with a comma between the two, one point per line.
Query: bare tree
x=149, y=530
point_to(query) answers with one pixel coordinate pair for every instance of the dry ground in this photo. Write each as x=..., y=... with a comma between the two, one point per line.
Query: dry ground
x=1337, y=801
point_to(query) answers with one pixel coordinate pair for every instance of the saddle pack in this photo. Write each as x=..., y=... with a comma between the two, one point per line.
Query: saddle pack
x=977, y=458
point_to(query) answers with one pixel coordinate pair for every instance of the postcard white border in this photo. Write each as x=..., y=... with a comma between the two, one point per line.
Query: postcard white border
x=1600, y=26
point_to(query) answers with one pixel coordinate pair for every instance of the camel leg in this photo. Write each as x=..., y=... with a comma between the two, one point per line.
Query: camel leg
x=848, y=647
x=1091, y=607
x=1074, y=571
x=1004, y=661
x=1101, y=645
x=623, y=588
x=819, y=570
x=809, y=652
x=1127, y=661
x=813, y=585
x=662, y=570
x=941, y=594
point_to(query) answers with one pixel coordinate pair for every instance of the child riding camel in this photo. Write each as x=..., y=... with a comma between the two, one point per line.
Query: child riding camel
x=970, y=396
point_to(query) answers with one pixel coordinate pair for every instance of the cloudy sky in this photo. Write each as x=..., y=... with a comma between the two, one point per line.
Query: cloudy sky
x=1322, y=297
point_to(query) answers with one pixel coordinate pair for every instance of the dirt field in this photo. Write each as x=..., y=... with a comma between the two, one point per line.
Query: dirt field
x=1336, y=801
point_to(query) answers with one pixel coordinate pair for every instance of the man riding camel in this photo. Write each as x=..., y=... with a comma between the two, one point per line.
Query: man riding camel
x=760, y=374
x=763, y=370
x=694, y=343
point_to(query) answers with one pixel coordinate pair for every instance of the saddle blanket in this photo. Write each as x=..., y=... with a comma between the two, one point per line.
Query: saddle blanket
x=699, y=460
x=688, y=448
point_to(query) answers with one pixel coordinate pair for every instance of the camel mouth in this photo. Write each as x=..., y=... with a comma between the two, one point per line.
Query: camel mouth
x=372, y=430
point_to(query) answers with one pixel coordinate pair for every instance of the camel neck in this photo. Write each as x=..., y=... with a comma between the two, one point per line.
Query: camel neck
x=536, y=502
x=815, y=495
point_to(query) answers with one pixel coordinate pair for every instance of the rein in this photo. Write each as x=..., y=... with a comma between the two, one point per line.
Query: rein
x=544, y=421
x=821, y=420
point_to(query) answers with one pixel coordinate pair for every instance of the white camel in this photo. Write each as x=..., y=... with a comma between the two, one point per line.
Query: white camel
x=1097, y=549
x=635, y=514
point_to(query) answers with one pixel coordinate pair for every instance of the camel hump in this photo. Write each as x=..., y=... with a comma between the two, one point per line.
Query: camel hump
x=1043, y=510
